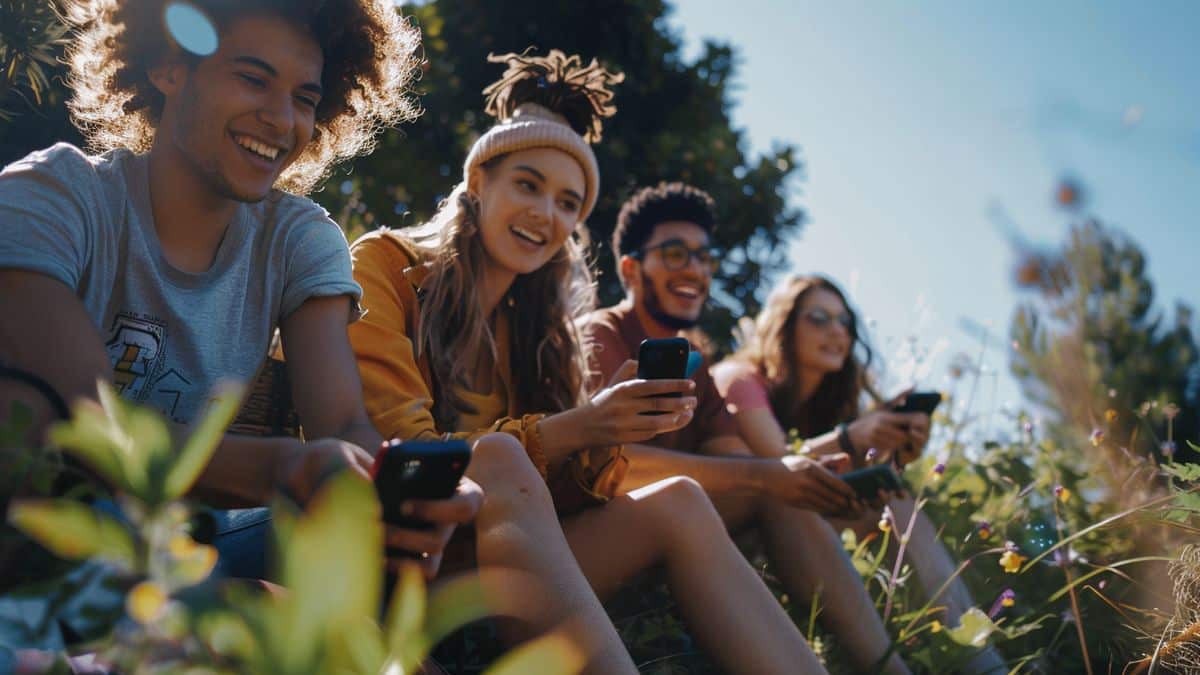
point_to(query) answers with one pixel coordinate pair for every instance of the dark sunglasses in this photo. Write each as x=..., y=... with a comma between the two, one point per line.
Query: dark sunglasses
x=820, y=318
x=676, y=255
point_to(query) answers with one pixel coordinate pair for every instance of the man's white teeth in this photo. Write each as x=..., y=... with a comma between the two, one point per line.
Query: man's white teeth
x=261, y=149
x=686, y=290
x=527, y=235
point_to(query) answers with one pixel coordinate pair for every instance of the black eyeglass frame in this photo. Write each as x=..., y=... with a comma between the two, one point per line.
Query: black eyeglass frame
x=712, y=264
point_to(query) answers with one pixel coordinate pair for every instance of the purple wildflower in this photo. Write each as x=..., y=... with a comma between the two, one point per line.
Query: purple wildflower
x=1007, y=598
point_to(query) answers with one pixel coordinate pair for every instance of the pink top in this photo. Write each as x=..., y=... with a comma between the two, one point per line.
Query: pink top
x=741, y=385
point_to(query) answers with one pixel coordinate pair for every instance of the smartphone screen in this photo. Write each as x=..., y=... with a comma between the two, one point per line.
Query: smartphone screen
x=920, y=401
x=663, y=359
x=417, y=470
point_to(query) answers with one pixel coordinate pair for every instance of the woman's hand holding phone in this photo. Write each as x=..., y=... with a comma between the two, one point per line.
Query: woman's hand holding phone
x=618, y=414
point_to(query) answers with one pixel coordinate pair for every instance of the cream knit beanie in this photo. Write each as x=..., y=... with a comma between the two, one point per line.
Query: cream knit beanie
x=535, y=126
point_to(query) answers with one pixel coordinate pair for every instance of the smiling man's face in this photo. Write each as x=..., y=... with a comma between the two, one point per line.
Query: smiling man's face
x=672, y=297
x=239, y=117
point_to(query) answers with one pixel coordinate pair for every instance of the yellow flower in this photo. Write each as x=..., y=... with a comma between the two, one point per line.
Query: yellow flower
x=1062, y=493
x=1110, y=415
x=146, y=602
x=935, y=626
x=1011, y=561
x=181, y=546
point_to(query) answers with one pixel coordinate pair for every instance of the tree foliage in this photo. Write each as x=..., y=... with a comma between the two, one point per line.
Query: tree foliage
x=1091, y=346
x=672, y=124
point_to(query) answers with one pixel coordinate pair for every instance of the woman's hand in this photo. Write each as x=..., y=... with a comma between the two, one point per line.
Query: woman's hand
x=628, y=411
x=812, y=484
x=891, y=433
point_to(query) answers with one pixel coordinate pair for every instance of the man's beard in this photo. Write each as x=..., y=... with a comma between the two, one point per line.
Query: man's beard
x=655, y=308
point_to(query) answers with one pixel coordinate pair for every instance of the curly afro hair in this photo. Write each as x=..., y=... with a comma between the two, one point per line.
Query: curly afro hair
x=370, y=63
x=660, y=204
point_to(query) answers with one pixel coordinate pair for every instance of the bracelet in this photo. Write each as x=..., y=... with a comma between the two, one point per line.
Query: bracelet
x=533, y=443
x=40, y=386
x=843, y=437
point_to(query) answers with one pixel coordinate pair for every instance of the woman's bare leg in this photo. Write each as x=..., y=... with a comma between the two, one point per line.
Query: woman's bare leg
x=518, y=536
x=726, y=605
x=808, y=557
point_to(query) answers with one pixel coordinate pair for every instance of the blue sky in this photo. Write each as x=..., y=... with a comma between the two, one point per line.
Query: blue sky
x=919, y=123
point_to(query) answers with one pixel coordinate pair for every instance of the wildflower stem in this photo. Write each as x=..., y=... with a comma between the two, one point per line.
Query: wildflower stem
x=1065, y=564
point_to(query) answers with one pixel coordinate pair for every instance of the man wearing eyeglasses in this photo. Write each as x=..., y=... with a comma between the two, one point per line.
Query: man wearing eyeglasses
x=666, y=263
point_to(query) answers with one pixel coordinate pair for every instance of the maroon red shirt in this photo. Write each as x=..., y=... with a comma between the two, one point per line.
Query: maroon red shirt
x=614, y=334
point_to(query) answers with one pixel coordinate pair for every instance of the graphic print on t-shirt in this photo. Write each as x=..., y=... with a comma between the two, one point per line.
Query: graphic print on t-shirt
x=137, y=349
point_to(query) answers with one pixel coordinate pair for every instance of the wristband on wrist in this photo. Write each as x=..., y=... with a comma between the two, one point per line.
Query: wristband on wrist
x=843, y=437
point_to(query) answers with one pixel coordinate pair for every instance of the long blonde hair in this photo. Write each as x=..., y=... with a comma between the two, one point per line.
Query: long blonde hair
x=544, y=305
x=767, y=345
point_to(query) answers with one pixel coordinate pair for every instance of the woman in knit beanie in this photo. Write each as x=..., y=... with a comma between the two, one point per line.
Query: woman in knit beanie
x=470, y=329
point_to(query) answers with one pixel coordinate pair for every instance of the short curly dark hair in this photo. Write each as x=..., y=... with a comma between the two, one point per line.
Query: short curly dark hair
x=660, y=204
x=370, y=63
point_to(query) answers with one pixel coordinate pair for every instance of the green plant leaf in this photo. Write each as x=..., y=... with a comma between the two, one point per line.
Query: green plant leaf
x=359, y=648
x=406, y=618
x=204, y=439
x=553, y=653
x=91, y=436
x=74, y=531
x=1184, y=472
x=332, y=566
x=452, y=605
x=973, y=629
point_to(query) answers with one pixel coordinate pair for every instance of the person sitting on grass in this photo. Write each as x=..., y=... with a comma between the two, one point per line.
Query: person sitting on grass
x=167, y=262
x=799, y=367
x=470, y=328
x=665, y=260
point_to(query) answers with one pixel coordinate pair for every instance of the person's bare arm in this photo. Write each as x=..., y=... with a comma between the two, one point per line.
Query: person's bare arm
x=53, y=338
x=47, y=333
x=761, y=432
x=726, y=467
x=325, y=384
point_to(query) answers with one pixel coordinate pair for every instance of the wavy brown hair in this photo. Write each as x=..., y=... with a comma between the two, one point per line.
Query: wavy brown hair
x=769, y=347
x=370, y=62
x=546, y=355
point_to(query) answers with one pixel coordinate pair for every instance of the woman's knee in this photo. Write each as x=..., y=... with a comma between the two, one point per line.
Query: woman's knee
x=503, y=469
x=679, y=501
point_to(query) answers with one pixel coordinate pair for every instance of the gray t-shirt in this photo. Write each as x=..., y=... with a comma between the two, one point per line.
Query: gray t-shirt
x=87, y=221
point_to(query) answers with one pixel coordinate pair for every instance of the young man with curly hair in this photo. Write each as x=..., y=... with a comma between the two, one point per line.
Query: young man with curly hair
x=665, y=260
x=167, y=262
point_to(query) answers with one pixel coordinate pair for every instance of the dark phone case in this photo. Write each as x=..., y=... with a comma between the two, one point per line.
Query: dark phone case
x=869, y=481
x=920, y=401
x=417, y=470
x=663, y=359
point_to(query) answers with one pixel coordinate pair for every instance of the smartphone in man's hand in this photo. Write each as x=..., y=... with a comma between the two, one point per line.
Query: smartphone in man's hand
x=869, y=481
x=406, y=470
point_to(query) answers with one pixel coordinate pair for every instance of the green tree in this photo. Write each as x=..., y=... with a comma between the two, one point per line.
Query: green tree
x=672, y=124
x=33, y=110
x=1091, y=346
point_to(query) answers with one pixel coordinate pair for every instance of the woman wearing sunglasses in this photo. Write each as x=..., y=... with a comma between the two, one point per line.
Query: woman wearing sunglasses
x=803, y=365
x=470, y=328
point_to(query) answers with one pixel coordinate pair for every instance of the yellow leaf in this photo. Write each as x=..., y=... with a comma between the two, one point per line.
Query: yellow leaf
x=73, y=531
x=552, y=653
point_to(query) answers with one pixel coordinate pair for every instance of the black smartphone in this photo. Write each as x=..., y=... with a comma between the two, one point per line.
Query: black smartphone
x=663, y=359
x=919, y=401
x=417, y=470
x=869, y=481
